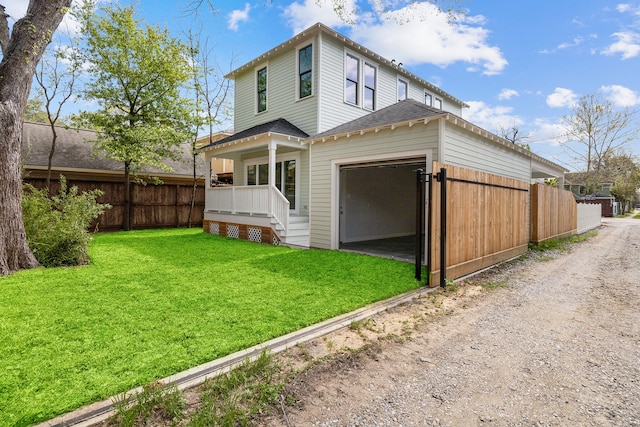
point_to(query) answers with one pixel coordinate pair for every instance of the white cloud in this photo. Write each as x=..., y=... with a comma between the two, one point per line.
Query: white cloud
x=507, y=94
x=429, y=37
x=621, y=96
x=301, y=16
x=576, y=41
x=416, y=34
x=561, y=97
x=546, y=132
x=237, y=16
x=491, y=118
x=628, y=44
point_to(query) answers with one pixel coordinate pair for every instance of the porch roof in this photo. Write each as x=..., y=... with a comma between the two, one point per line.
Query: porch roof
x=278, y=126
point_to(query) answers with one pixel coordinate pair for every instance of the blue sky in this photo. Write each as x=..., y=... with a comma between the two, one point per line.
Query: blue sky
x=517, y=63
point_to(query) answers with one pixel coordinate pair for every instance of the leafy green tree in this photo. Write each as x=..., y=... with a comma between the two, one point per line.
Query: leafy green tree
x=34, y=111
x=624, y=170
x=22, y=48
x=138, y=71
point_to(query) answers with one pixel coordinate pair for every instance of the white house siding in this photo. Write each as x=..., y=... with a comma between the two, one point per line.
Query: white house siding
x=472, y=151
x=418, y=139
x=281, y=95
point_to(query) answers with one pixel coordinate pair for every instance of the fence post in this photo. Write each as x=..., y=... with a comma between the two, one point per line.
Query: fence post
x=442, y=178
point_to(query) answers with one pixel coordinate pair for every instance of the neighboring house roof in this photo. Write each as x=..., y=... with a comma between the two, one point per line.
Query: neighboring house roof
x=74, y=152
x=278, y=126
x=406, y=113
x=319, y=27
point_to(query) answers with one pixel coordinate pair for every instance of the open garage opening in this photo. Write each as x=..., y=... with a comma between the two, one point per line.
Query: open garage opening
x=378, y=207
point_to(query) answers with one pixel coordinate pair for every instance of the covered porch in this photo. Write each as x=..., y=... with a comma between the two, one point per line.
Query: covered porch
x=269, y=199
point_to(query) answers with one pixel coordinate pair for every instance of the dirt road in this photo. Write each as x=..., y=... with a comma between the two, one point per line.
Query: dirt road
x=557, y=343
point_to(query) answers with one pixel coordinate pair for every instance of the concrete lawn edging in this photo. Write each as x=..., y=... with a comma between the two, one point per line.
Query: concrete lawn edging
x=100, y=411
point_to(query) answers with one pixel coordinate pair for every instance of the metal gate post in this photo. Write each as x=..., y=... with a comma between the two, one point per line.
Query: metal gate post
x=442, y=178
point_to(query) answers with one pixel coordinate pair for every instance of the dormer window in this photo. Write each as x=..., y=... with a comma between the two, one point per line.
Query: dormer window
x=352, y=65
x=403, y=89
x=437, y=102
x=261, y=84
x=305, y=72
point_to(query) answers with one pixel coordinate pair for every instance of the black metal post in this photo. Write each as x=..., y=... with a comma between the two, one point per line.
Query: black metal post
x=428, y=230
x=419, y=221
x=443, y=227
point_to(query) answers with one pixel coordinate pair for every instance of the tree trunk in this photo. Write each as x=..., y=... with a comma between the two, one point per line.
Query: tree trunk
x=193, y=190
x=126, y=210
x=54, y=137
x=20, y=55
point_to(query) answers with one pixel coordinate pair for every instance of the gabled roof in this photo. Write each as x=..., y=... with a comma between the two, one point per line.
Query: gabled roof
x=321, y=28
x=402, y=111
x=278, y=126
x=74, y=151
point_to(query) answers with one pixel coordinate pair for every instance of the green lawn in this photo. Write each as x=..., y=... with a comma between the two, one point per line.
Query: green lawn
x=155, y=302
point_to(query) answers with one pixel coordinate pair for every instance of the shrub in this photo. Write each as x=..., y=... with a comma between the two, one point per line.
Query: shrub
x=57, y=227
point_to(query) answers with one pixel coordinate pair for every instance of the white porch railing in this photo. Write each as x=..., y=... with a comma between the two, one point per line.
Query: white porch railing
x=249, y=200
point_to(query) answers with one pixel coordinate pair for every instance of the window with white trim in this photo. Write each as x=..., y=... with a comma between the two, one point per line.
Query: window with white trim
x=437, y=102
x=428, y=99
x=403, y=89
x=352, y=82
x=261, y=89
x=369, y=99
x=305, y=72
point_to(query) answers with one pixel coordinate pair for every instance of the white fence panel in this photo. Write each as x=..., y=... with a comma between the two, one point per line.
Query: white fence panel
x=589, y=216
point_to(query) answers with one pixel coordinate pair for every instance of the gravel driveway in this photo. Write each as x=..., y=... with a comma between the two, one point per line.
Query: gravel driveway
x=558, y=345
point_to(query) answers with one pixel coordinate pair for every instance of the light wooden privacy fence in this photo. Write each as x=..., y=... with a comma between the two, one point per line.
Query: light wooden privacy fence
x=487, y=221
x=554, y=213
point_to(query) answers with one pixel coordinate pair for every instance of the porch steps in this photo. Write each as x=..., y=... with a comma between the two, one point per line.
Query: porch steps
x=298, y=232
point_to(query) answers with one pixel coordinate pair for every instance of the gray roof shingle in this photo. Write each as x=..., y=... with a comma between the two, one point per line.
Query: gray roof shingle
x=280, y=126
x=397, y=113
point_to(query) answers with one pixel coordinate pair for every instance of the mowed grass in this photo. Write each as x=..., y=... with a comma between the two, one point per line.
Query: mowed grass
x=153, y=303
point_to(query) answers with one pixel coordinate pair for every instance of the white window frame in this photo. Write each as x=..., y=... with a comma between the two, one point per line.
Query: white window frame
x=313, y=70
x=358, y=102
x=255, y=91
x=427, y=93
x=437, y=101
x=406, y=83
x=366, y=63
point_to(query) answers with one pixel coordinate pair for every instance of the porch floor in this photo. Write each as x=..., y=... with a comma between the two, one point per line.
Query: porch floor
x=400, y=248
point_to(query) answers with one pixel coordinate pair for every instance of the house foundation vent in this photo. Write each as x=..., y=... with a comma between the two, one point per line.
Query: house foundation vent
x=233, y=231
x=255, y=234
x=214, y=228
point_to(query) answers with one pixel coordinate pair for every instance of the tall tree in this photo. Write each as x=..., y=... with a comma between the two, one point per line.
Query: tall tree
x=624, y=171
x=56, y=77
x=21, y=52
x=35, y=111
x=594, y=129
x=138, y=71
x=512, y=133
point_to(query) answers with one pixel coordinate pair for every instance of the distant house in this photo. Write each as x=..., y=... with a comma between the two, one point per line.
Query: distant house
x=166, y=205
x=576, y=183
x=221, y=169
x=328, y=136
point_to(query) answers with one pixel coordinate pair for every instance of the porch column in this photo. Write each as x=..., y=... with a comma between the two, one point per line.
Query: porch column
x=272, y=172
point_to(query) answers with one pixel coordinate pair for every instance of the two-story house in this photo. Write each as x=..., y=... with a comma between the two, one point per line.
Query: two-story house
x=328, y=137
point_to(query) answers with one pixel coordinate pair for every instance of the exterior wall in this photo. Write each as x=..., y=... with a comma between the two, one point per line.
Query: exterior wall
x=281, y=94
x=325, y=156
x=469, y=150
x=589, y=217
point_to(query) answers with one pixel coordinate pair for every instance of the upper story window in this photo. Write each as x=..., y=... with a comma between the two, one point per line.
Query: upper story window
x=369, y=86
x=403, y=89
x=261, y=84
x=437, y=102
x=428, y=99
x=352, y=65
x=305, y=71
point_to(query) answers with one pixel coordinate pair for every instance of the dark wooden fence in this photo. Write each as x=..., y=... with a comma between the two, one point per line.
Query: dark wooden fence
x=152, y=206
